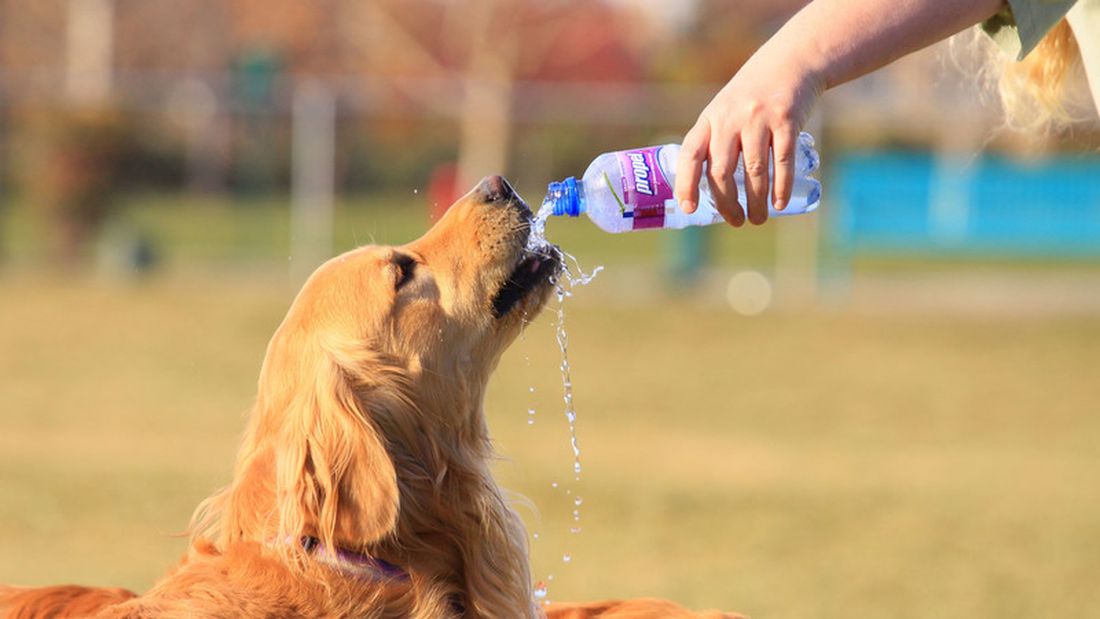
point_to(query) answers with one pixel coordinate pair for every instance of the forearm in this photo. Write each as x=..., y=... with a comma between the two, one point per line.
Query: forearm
x=757, y=115
x=839, y=40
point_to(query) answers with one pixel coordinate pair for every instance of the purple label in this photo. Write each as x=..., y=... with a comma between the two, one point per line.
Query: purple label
x=645, y=188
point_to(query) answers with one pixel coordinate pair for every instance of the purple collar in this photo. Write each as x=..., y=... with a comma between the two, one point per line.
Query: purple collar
x=357, y=563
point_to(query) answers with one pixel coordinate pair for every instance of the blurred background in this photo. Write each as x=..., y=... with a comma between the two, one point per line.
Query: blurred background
x=887, y=408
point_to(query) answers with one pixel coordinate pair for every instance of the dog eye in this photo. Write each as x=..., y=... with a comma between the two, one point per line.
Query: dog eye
x=406, y=269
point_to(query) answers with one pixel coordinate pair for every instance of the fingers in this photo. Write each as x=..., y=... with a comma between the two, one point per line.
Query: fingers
x=754, y=148
x=689, y=166
x=694, y=152
x=784, y=141
x=714, y=146
x=723, y=163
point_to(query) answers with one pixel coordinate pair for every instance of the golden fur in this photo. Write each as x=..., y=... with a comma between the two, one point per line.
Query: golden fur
x=368, y=436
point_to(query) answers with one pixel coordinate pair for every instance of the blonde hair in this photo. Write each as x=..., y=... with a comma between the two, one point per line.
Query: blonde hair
x=1038, y=91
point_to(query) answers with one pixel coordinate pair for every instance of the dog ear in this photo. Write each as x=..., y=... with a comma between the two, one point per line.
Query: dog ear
x=334, y=477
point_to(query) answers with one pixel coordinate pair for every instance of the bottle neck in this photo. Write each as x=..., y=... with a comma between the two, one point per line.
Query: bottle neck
x=567, y=197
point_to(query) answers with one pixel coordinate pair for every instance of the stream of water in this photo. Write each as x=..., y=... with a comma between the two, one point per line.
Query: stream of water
x=571, y=276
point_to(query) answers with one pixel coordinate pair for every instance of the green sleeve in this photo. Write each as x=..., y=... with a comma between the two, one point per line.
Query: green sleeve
x=1019, y=26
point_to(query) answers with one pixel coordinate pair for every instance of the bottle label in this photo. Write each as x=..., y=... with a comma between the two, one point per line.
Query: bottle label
x=646, y=188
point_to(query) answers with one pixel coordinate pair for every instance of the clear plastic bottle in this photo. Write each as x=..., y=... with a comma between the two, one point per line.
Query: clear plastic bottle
x=632, y=190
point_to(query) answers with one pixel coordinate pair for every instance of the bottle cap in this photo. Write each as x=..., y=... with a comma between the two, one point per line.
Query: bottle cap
x=565, y=197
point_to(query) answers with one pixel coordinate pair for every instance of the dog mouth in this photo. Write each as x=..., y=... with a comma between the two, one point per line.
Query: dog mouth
x=535, y=268
x=538, y=261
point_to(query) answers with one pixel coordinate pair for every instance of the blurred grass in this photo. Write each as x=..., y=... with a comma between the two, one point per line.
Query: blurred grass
x=822, y=464
x=219, y=231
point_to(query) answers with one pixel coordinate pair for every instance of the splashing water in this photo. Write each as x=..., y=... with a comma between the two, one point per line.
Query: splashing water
x=571, y=276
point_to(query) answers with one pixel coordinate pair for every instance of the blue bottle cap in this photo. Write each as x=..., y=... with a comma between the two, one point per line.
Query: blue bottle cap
x=565, y=197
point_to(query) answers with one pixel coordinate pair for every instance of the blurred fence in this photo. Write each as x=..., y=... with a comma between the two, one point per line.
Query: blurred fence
x=247, y=121
x=215, y=119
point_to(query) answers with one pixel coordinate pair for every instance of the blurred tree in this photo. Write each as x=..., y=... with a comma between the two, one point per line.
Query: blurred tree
x=256, y=72
x=70, y=176
x=404, y=69
x=492, y=44
x=89, y=57
x=72, y=148
x=719, y=38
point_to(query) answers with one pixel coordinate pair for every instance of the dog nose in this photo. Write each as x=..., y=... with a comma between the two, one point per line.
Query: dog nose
x=495, y=189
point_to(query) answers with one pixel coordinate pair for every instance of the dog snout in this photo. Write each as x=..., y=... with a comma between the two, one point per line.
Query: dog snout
x=496, y=188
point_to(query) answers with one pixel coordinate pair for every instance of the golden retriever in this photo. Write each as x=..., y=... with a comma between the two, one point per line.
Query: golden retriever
x=363, y=485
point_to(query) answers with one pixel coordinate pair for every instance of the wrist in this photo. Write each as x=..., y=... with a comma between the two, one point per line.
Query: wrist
x=796, y=55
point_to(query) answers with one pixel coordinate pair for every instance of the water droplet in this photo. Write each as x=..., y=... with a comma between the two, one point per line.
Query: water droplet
x=540, y=591
x=535, y=535
x=577, y=501
x=569, y=277
x=566, y=557
x=530, y=389
x=550, y=577
x=530, y=422
x=574, y=530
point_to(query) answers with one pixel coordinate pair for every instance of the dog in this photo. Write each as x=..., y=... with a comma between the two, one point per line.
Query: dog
x=362, y=487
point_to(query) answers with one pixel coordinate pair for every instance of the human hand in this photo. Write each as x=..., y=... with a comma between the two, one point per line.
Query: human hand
x=764, y=106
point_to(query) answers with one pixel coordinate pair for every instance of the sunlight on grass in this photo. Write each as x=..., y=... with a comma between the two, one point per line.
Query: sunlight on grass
x=816, y=465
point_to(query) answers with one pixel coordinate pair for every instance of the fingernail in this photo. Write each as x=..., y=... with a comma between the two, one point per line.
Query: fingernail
x=687, y=206
x=780, y=205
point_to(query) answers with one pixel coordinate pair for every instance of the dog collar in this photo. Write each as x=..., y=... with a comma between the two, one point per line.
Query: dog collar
x=357, y=563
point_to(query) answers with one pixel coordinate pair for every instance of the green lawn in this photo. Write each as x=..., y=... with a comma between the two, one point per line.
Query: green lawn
x=815, y=465
x=824, y=463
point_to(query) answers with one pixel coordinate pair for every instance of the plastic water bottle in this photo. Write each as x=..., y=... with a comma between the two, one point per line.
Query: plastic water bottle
x=632, y=190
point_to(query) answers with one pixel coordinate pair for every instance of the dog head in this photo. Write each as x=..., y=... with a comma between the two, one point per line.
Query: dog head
x=386, y=351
